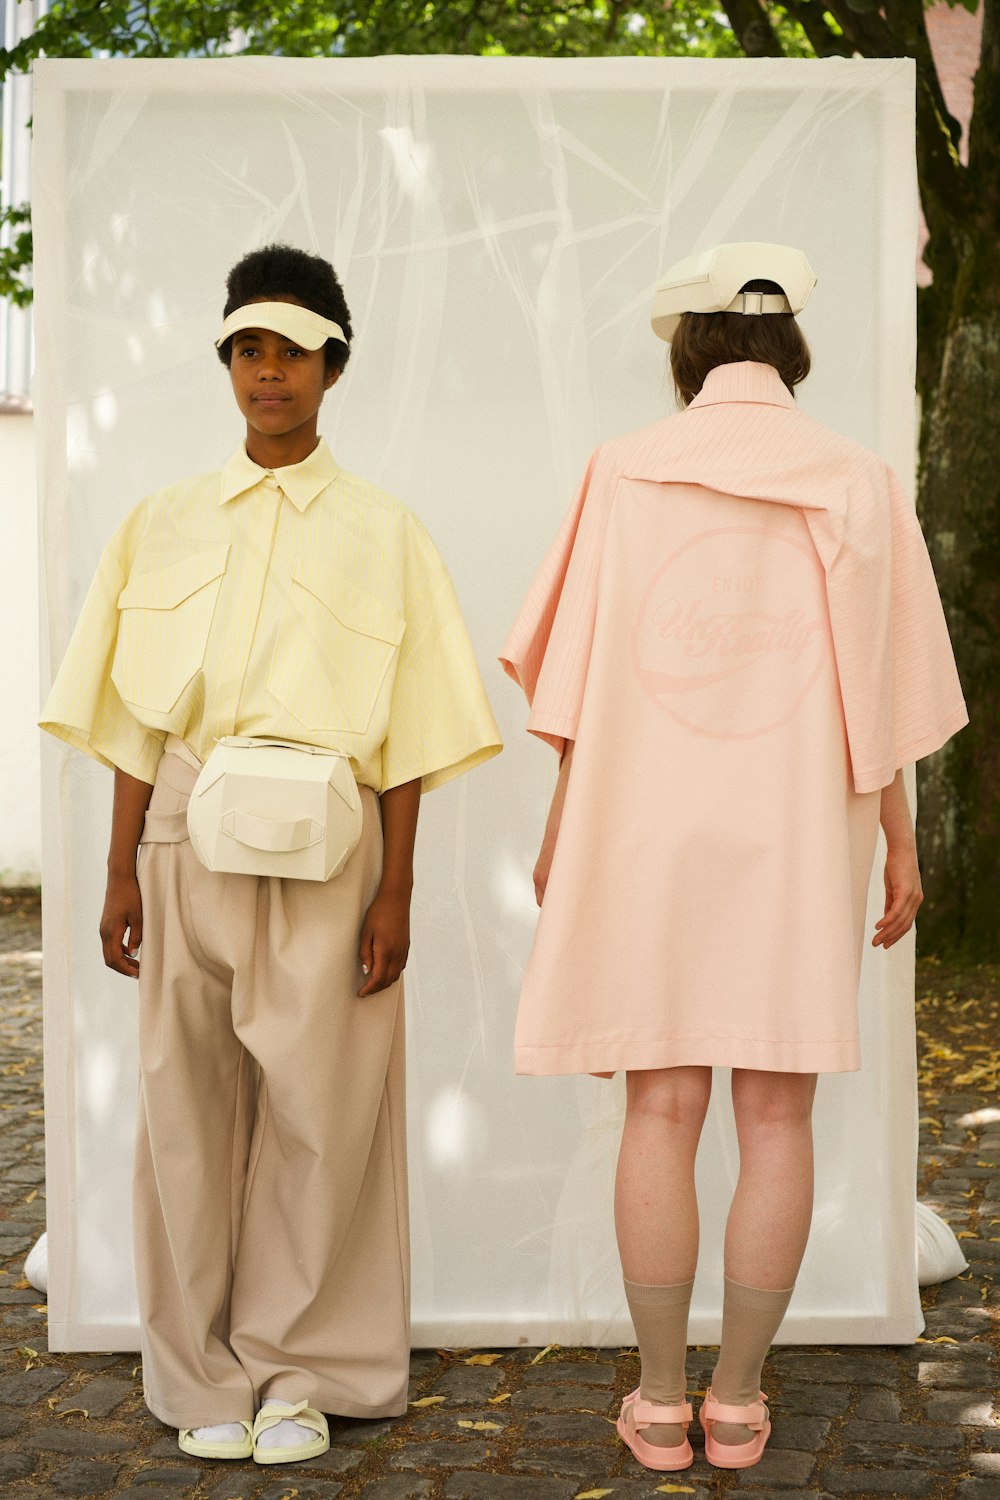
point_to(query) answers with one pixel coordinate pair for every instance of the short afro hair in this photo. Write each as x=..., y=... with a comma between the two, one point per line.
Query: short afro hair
x=277, y=271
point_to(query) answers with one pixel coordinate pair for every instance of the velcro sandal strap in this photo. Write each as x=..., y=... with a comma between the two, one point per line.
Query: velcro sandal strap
x=645, y=1413
x=281, y=1411
x=753, y=1416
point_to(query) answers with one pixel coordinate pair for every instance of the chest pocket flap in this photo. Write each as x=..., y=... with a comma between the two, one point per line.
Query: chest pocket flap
x=355, y=609
x=164, y=620
x=165, y=588
x=335, y=655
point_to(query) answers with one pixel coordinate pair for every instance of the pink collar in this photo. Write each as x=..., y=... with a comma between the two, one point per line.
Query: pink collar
x=744, y=381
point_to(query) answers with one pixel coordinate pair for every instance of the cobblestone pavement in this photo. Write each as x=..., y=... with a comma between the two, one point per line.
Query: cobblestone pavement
x=532, y=1425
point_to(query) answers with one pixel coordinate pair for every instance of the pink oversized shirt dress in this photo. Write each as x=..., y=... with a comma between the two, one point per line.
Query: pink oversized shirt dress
x=739, y=628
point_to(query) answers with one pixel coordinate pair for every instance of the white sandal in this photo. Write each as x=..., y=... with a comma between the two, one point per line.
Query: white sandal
x=197, y=1449
x=306, y=1416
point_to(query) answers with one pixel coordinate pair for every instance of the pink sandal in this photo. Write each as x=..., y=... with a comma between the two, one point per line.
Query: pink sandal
x=638, y=1413
x=735, y=1455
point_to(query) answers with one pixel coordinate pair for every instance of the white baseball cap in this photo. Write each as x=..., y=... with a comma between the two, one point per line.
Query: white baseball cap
x=300, y=324
x=710, y=281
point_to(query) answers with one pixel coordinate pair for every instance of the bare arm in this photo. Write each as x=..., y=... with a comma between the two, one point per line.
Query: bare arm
x=544, y=863
x=122, y=902
x=385, y=934
x=903, y=892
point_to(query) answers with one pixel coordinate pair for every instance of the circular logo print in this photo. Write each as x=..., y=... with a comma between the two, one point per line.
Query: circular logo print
x=731, y=632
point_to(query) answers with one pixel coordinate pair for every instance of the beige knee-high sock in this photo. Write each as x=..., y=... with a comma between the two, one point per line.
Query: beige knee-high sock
x=751, y=1316
x=660, y=1317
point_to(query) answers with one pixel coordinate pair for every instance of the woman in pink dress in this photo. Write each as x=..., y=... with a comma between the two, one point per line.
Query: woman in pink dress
x=738, y=610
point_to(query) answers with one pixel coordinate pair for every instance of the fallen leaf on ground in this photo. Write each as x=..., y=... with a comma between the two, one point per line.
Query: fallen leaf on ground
x=482, y=1426
x=496, y=1400
x=483, y=1359
x=428, y=1401
x=674, y=1489
x=593, y=1494
x=75, y=1411
x=542, y=1353
x=957, y=1012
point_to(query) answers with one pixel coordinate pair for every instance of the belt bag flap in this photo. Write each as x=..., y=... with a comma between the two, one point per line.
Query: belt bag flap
x=270, y=807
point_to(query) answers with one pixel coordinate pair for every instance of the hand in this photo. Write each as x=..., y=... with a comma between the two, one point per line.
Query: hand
x=543, y=866
x=122, y=913
x=385, y=941
x=903, y=895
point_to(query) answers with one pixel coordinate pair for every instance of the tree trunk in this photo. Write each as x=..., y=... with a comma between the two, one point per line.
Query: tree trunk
x=959, y=501
x=958, y=376
x=752, y=28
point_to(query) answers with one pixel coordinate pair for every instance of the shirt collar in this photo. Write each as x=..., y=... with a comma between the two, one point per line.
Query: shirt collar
x=301, y=482
x=744, y=381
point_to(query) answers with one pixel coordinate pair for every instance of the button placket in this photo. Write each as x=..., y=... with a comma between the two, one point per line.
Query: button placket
x=270, y=484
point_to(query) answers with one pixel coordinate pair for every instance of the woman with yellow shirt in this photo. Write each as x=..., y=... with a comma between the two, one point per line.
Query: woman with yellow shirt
x=279, y=605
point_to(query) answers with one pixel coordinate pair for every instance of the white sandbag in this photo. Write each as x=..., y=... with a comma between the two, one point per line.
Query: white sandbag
x=36, y=1267
x=939, y=1255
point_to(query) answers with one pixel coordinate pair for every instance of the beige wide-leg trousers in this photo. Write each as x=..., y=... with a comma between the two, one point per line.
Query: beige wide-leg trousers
x=270, y=1207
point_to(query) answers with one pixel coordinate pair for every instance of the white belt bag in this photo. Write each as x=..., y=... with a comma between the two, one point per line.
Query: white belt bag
x=269, y=807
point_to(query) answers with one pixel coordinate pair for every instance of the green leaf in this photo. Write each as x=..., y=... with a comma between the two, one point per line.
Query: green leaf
x=15, y=258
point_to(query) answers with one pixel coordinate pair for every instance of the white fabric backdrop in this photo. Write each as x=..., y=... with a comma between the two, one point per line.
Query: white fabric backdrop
x=498, y=225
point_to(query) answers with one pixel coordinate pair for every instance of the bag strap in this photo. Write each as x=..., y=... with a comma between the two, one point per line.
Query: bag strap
x=266, y=833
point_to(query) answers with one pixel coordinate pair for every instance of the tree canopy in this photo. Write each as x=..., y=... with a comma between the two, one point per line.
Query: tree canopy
x=365, y=28
x=314, y=28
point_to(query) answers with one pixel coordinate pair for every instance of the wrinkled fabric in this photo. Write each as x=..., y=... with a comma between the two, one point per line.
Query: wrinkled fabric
x=738, y=626
x=497, y=225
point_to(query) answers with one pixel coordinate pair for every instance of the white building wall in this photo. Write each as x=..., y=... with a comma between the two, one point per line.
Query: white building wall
x=20, y=800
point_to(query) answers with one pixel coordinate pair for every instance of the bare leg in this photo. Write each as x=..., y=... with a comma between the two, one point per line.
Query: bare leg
x=656, y=1218
x=767, y=1229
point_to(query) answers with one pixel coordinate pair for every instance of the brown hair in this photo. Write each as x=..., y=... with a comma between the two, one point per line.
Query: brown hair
x=704, y=340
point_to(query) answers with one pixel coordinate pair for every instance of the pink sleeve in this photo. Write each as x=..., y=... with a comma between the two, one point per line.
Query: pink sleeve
x=548, y=649
x=899, y=684
x=927, y=702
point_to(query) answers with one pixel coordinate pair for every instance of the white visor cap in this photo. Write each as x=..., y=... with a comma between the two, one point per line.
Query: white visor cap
x=300, y=324
x=710, y=282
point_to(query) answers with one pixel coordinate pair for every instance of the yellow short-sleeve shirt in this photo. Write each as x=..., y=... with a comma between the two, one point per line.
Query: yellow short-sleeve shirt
x=301, y=603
